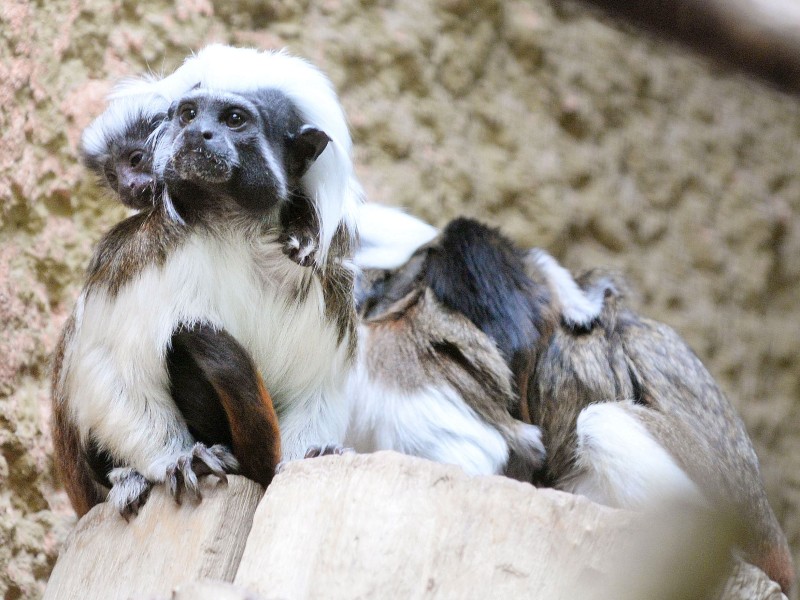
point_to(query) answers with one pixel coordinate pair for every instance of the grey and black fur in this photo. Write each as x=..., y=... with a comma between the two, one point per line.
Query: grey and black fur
x=476, y=271
x=628, y=413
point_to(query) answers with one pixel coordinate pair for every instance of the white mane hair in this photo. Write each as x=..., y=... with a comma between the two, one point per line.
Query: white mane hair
x=122, y=112
x=330, y=182
x=132, y=87
x=171, y=87
x=135, y=99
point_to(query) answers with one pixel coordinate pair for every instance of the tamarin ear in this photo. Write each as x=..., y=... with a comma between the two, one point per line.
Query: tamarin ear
x=304, y=147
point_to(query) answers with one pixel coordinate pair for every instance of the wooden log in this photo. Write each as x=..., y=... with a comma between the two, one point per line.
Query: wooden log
x=164, y=546
x=392, y=526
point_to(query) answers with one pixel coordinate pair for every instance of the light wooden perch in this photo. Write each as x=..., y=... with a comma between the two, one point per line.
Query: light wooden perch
x=380, y=526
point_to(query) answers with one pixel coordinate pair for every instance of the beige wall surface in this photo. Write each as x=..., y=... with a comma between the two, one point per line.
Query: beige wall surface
x=570, y=132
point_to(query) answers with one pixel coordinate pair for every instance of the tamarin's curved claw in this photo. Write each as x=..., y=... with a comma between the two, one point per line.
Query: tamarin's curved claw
x=328, y=450
x=129, y=491
x=185, y=465
x=173, y=480
x=199, y=462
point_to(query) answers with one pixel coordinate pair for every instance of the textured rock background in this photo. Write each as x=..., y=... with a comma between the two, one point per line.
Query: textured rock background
x=573, y=134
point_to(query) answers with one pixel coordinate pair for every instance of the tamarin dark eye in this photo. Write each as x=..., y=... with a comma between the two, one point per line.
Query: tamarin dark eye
x=187, y=114
x=135, y=158
x=235, y=120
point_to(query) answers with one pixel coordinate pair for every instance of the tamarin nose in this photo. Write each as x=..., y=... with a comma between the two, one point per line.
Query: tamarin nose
x=207, y=135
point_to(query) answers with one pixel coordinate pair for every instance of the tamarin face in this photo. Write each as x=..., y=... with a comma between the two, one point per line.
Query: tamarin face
x=121, y=155
x=130, y=174
x=251, y=148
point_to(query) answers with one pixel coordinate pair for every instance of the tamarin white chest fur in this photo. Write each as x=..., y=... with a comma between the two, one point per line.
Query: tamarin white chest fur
x=233, y=280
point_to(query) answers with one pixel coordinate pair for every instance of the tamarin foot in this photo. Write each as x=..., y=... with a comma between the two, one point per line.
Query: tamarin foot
x=129, y=491
x=198, y=462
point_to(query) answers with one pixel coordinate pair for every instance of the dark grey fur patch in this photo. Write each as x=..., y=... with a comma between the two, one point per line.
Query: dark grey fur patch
x=337, y=288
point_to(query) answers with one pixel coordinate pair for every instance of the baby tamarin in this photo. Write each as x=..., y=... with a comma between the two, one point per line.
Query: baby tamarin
x=630, y=415
x=117, y=147
x=210, y=254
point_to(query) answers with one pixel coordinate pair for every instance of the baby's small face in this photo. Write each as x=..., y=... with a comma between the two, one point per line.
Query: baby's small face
x=129, y=173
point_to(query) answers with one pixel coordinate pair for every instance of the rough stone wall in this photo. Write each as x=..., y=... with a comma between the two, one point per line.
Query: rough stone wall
x=572, y=133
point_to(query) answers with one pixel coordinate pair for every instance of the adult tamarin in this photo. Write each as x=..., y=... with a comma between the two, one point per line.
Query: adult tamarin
x=628, y=412
x=262, y=141
x=212, y=380
x=630, y=415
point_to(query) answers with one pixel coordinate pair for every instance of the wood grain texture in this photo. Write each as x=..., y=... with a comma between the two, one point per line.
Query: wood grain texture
x=164, y=546
x=391, y=526
x=395, y=527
